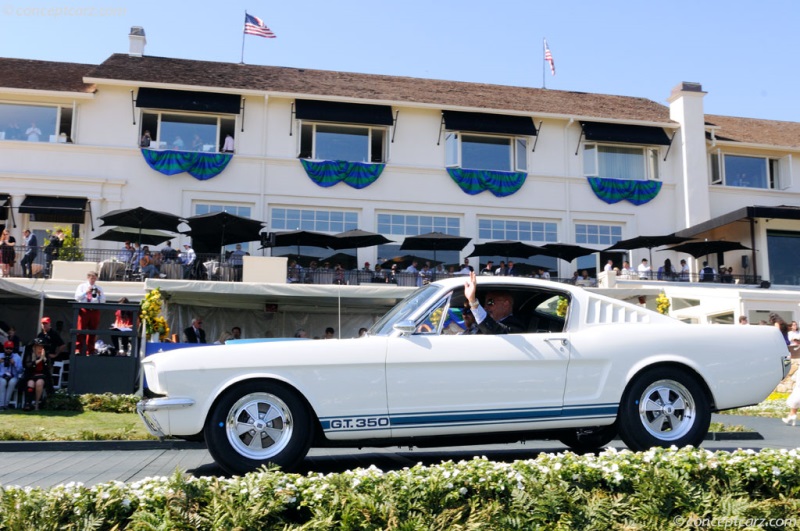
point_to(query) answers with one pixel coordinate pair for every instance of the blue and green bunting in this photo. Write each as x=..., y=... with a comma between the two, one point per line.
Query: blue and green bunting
x=327, y=173
x=199, y=165
x=500, y=183
x=614, y=190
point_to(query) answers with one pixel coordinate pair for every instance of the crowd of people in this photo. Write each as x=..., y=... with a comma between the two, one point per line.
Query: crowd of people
x=28, y=366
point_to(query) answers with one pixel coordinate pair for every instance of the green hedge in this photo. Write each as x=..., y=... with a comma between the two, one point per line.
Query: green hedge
x=61, y=400
x=659, y=489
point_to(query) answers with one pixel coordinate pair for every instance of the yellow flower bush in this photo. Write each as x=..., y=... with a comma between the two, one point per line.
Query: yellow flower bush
x=662, y=303
x=151, y=316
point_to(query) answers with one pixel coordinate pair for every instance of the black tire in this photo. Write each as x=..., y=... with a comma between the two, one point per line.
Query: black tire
x=664, y=407
x=268, y=409
x=586, y=440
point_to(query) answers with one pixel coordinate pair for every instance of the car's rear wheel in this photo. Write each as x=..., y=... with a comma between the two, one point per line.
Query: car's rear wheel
x=584, y=440
x=664, y=407
x=258, y=423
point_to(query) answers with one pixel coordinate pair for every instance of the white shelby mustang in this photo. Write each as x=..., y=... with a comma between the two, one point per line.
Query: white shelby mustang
x=581, y=368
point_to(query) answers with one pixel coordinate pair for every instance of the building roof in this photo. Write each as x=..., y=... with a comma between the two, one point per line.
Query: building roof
x=376, y=88
x=742, y=214
x=755, y=131
x=45, y=75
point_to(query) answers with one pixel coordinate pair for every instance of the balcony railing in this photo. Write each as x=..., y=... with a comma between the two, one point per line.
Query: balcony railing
x=113, y=266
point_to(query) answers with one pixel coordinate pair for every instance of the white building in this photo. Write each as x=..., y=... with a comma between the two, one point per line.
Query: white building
x=484, y=161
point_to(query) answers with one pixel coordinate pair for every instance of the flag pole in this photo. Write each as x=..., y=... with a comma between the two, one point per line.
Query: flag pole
x=544, y=66
x=243, y=35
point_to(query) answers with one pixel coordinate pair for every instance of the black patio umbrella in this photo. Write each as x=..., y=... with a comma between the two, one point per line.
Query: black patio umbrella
x=507, y=248
x=565, y=251
x=213, y=231
x=647, y=242
x=698, y=249
x=142, y=218
x=143, y=236
x=303, y=237
x=356, y=239
x=434, y=241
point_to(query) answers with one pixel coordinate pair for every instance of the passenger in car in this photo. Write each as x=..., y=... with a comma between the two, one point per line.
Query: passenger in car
x=498, y=317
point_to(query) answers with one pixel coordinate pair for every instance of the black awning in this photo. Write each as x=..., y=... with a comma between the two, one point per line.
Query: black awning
x=54, y=209
x=4, y=204
x=187, y=100
x=478, y=122
x=337, y=111
x=628, y=134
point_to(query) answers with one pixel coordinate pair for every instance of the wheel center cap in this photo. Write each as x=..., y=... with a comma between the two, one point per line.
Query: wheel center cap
x=260, y=425
x=668, y=410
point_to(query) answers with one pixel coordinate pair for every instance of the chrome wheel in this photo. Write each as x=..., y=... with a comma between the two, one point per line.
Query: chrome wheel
x=259, y=426
x=667, y=410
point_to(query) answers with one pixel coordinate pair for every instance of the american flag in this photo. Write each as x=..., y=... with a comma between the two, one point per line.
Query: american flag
x=255, y=26
x=549, y=58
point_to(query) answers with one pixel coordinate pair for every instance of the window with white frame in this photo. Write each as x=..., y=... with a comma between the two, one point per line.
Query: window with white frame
x=486, y=152
x=353, y=143
x=620, y=162
x=187, y=131
x=746, y=171
x=36, y=123
x=416, y=224
x=517, y=230
x=286, y=219
x=590, y=233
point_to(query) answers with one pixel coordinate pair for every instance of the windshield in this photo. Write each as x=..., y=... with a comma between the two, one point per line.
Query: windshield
x=404, y=310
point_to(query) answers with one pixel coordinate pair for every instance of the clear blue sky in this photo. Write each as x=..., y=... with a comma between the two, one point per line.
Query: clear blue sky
x=743, y=53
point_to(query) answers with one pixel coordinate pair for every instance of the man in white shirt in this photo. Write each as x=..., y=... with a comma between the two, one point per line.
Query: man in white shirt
x=685, y=273
x=188, y=256
x=609, y=266
x=626, y=271
x=644, y=270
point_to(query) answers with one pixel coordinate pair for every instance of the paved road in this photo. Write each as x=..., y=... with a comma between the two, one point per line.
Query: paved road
x=49, y=464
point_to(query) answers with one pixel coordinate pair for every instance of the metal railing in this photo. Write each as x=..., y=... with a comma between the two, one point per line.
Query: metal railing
x=113, y=265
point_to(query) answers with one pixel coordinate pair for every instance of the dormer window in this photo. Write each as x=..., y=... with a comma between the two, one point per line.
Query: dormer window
x=620, y=162
x=481, y=141
x=36, y=123
x=185, y=120
x=745, y=171
x=622, y=151
x=352, y=132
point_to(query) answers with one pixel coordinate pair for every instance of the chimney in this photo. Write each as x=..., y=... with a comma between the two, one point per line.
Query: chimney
x=137, y=41
x=686, y=108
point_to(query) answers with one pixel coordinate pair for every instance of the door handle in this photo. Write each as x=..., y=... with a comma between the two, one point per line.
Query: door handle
x=561, y=340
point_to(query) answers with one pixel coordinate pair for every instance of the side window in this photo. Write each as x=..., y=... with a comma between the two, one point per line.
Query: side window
x=545, y=311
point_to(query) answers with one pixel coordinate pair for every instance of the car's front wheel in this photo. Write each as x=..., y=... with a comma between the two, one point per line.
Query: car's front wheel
x=258, y=423
x=664, y=407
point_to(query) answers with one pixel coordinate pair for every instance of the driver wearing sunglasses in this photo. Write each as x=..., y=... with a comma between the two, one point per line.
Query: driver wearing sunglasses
x=497, y=317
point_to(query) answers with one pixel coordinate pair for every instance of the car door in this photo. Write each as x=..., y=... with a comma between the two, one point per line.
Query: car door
x=460, y=384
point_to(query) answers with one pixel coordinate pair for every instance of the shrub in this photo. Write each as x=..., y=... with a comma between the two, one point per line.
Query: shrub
x=657, y=489
x=62, y=400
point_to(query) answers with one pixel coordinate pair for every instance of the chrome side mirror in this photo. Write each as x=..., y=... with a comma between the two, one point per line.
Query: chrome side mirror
x=407, y=326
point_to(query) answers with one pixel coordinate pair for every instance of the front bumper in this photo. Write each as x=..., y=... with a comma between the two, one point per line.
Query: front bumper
x=151, y=409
